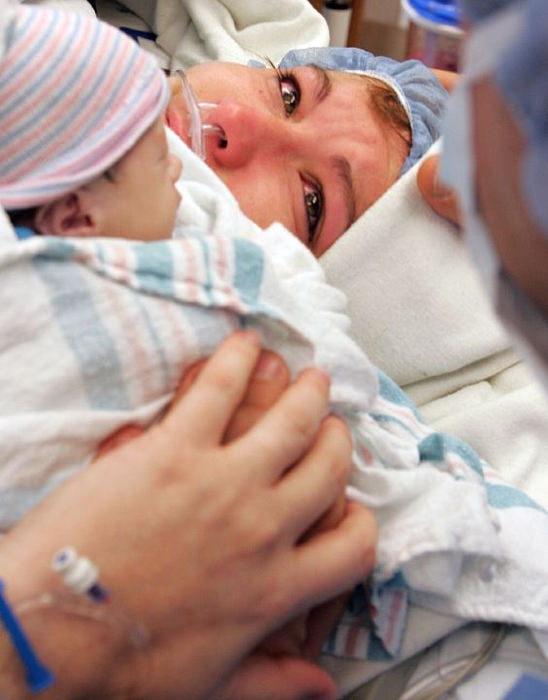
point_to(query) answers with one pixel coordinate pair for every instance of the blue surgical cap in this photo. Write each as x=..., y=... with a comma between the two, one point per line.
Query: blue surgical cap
x=420, y=92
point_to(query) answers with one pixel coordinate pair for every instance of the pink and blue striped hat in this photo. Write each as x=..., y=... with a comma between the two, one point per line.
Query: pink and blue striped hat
x=75, y=95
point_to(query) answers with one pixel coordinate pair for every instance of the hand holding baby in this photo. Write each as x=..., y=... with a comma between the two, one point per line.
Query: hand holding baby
x=234, y=513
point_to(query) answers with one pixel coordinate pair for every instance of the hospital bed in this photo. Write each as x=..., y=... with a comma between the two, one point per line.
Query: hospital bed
x=419, y=312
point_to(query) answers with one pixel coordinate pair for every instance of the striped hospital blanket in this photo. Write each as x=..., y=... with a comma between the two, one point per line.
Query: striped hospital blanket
x=96, y=333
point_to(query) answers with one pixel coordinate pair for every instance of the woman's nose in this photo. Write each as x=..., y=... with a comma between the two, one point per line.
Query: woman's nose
x=248, y=131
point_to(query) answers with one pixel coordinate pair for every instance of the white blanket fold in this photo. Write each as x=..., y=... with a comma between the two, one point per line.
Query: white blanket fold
x=418, y=310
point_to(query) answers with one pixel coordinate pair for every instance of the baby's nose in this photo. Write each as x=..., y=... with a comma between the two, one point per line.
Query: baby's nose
x=175, y=167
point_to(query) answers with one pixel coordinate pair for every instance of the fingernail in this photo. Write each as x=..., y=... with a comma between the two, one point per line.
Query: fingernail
x=251, y=337
x=324, y=374
x=321, y=373
x=268, y=366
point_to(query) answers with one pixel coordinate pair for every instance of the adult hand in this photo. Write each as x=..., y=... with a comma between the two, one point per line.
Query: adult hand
x=441, y=198
x=200, y=541
x=264, y=677
x=280, y=667
x=446, y=77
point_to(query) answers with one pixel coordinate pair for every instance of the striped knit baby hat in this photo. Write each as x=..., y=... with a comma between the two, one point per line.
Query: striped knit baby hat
x=75, y=96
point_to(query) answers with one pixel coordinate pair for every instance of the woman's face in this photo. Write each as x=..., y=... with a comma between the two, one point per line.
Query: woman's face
x=305, y=148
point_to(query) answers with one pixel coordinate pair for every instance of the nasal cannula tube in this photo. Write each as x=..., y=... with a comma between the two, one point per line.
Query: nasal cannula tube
x=198, y=130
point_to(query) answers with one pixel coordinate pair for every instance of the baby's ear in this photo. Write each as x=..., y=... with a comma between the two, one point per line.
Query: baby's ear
x=67, y=216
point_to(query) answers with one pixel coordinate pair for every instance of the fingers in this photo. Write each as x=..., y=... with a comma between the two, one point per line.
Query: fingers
x=311, y=487
x=215, y=392
x=446, y=77
x=334, y=561
x=188, y=379
x=287, y=640
x=320, y=622
x=262, y=677
x=330, y=518
x=285, y=432
x=442, y=200
x=269, y=380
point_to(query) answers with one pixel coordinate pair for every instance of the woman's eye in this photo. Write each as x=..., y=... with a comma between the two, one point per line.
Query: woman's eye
x=290, y=92
x=313, y=201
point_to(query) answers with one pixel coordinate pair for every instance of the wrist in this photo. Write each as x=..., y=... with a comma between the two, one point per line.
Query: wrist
x=12, y=679
x=79, y=651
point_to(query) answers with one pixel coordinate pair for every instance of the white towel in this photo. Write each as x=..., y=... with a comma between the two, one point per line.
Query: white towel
x=418, y=310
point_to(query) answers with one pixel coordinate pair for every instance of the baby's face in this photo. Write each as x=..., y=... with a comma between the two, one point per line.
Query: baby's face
x=136, y=199
x=305, y=148
x=141, y=200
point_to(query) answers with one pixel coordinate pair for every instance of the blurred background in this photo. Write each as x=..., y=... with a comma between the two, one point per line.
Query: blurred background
x=423, y=29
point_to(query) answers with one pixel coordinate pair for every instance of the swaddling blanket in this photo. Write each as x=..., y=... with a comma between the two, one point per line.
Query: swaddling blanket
x=96, y=334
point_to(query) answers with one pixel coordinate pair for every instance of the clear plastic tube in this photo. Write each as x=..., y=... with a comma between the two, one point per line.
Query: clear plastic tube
x=198, y=128
x=70, y=603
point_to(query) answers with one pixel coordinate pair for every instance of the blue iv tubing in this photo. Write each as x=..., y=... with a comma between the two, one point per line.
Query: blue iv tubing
x=37, y=676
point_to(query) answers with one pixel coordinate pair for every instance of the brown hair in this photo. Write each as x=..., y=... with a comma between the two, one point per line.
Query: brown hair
x=389, y=107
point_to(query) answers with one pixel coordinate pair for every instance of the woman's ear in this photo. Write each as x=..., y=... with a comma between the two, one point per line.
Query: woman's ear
x=71, y=215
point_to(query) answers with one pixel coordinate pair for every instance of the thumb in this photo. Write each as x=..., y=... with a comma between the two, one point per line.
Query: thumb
x=262, y=677
x=442, y=200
